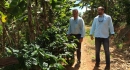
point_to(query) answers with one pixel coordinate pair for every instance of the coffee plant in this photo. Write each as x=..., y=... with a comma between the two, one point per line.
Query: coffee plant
x=34, y=32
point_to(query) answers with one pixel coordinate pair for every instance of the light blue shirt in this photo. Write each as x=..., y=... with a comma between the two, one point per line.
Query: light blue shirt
x=102, y=26
x=76, y=26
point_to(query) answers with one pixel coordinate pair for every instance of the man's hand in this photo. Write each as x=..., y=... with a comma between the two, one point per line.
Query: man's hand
x=81, y=40
x=91, y=37
x=112, y=37
x=68, y=35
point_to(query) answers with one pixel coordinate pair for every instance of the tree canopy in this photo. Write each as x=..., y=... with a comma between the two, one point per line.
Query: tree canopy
x=118, y=9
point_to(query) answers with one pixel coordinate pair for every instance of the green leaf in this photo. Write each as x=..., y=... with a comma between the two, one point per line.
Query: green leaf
x=14, y=3
x=26, y=56
x=34, y=61
x=45, y=65
x=37, y=47
x=8, y=50
x=40, y=61
x=59, y=66
x=55, y=0
x=28, y=63
x=15, y=51
x=7, y=4
x=53, y=3
x=62, y=60
x=34, y=53
x=68, y=53
x=1, y=28
x=42, y=54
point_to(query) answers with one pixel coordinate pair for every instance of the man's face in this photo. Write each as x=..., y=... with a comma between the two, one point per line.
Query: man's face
x=75, y=14
x=100, y=11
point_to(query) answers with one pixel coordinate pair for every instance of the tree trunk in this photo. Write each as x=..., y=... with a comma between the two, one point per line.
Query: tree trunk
x=31, y=31
x=3, y=37
x=44, y=14
x=35, y=19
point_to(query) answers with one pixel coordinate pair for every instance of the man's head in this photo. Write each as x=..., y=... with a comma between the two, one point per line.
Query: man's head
x=75, y=13
x=100, y=10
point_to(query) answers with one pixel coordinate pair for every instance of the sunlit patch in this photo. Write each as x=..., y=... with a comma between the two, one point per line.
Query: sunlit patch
x=3, y=18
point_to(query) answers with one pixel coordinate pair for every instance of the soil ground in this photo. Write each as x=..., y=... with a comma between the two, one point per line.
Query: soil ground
x=88, y=58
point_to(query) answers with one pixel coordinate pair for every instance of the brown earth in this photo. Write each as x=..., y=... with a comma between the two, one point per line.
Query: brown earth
x=88, y=58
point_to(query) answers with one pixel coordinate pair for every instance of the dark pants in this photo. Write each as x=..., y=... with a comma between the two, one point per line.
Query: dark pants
x=105, y=42
x=78, y=36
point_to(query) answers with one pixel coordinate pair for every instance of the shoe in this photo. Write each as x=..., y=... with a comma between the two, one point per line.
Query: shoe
x=107, y=68
x=97, y=65
x=78, y=62
x=77, y=65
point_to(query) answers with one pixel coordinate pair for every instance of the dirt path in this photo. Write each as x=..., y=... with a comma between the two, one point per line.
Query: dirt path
x=86, y=63
x=88, y=58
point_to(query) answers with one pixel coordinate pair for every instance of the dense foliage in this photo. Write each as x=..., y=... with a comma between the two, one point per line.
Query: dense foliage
x=118, y=9
x=34, y=31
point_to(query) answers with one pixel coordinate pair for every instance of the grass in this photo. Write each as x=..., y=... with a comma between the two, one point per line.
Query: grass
x=91, y=42
x=88, y=37
x=93, y=58
x=120, y=45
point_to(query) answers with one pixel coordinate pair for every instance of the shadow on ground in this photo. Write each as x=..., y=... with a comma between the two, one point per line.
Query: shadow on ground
x=76, y=67
x=96, y=68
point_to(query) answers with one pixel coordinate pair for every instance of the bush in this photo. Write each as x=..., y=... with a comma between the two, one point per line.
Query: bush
x=51, y=50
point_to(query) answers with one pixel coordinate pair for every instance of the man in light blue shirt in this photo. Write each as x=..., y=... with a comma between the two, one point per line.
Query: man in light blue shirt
x=102, y=27
x=77, y=29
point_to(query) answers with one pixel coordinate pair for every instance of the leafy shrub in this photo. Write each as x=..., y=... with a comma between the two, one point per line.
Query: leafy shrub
x=32, y=57
x=51, y=50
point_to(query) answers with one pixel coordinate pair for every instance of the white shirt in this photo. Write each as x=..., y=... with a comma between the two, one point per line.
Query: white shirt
x=76, y=26
x=102, y=29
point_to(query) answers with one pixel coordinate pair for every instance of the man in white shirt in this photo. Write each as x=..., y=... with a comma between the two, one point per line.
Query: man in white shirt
x=77, y=29
x=102, y=26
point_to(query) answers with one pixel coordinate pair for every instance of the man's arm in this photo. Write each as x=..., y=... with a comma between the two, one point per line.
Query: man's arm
x=82, y=28
x=111, y=26
x=92, y=29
